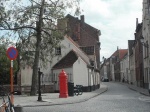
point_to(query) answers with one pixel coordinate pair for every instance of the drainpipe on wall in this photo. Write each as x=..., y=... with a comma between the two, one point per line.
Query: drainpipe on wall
x=149, y=87
x=88, y=78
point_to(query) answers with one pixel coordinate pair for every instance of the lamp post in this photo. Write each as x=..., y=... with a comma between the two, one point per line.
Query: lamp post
x=147, y=47
x=39, y=81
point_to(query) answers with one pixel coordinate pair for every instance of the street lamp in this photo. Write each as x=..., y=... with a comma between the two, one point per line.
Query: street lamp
x=39, y=81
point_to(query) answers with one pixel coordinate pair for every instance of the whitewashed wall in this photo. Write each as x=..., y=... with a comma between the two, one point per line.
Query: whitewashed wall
x=67, y=45
x=57, y=73
x=124, y=68
x=132, y=77
x=112, y=71
x=80, y=73
x=90, y=76
x=26, y=76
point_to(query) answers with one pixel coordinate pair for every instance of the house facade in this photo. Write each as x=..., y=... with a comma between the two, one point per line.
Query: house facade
x=146, y=43
x=112, y=63
x=115, y=67
x=84, y=70
x=131, y=52
x=105, y=70
x=86, y=36
x=78, y=67
x=139, y=72
x=124, y=68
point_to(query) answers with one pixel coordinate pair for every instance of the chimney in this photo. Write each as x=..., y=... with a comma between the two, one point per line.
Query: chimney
x=82, y=18
x=137, y=22
x=117, y=48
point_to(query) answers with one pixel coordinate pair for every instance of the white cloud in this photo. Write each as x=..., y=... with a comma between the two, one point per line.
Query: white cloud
x=95, y=7
x=115, y=18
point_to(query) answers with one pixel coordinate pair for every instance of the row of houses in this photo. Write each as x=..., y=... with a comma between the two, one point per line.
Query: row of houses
x=132, y=65
x=78, y=55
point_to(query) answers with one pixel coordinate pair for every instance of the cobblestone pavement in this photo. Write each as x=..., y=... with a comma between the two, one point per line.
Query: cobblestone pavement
x=118, y=98
x=53, y=98
x=50, y=99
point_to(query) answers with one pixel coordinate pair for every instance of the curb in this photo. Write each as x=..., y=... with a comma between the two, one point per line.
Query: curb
x=20, y=107
x=135, y=89
x=138, y=91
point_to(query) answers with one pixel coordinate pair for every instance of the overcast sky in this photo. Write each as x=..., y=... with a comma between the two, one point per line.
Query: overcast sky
x=116, y=19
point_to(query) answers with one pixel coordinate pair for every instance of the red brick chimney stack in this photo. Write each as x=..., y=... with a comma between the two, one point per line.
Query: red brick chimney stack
x=82, y=18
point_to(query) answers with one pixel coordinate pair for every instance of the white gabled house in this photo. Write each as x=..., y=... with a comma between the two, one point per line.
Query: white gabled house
x=80, y=68
x=77, y=65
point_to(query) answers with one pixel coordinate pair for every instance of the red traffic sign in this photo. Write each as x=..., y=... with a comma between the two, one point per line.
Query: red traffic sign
x=12, y=53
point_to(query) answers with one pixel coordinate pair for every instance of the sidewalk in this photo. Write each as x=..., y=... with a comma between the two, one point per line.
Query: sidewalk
x=138, y=89
x=50, y=99
x=53, y=98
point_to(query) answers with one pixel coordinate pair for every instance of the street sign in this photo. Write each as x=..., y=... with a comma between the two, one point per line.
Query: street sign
x=12, y=53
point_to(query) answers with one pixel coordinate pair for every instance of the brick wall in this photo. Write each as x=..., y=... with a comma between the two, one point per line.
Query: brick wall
x=84, y=34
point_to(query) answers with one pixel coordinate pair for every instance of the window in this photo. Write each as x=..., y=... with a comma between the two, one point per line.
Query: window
x=146, y=75
x=58, y=51
x=148, y=5
x=147, y=48
x=53, y=77
x=149, y=75
x=88, y=50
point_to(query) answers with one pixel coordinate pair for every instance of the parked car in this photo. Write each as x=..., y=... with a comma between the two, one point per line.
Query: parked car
x=104, y=79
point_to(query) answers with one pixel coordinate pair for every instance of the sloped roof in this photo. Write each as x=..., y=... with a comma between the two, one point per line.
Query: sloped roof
x=75, y=44
x=66, y=61
x=122, y=53
x=86, y=26
x=76, y=18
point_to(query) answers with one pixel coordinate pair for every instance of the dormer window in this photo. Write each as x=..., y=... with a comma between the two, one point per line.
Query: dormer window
x=58, y=51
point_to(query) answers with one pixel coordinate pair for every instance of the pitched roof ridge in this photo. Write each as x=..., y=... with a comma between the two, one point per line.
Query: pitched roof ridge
x=91, y=26
x=60, y=64
x=69, y=15
x=74, y=43
x=119, y=51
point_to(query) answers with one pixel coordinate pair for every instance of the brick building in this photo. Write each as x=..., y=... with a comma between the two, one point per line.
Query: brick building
x=139, y=56
x=86, y=36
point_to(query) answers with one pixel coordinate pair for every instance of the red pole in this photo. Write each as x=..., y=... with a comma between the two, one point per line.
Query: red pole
x=11, y=82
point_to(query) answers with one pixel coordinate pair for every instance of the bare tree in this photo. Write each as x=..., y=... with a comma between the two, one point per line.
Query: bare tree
x=34, y=23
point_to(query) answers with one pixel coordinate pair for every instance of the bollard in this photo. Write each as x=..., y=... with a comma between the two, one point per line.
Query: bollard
x=63, y=85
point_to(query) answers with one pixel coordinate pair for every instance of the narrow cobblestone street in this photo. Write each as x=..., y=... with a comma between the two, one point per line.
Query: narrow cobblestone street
x=118, y=98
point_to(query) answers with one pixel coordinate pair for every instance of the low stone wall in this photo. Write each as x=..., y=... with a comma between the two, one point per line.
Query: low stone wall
x=7, y=88
x=26, y=89
x=47, y=88
x=44, y=89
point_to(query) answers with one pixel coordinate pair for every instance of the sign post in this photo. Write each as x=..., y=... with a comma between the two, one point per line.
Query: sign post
x=12, y=54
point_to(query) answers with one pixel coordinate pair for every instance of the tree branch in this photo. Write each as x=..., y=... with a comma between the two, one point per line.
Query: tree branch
x=17, y=28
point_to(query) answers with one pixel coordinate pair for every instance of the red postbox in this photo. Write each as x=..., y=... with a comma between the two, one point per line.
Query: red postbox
x=63, y=85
